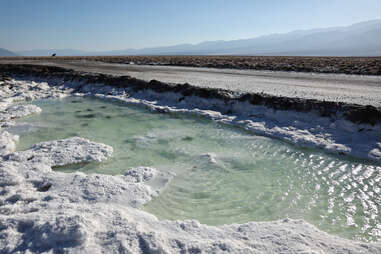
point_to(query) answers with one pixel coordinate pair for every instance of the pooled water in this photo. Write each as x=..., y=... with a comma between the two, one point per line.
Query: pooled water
x=223, y=174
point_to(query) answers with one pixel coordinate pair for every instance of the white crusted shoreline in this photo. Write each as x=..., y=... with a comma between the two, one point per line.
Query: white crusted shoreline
x=47, y=211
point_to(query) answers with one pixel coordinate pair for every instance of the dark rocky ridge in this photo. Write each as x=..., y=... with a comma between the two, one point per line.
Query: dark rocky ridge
x=353, y=112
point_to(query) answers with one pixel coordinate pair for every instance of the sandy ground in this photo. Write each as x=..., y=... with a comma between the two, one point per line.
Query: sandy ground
x=360, y=89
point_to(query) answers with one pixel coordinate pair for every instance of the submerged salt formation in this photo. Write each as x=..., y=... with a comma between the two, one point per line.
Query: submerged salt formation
x=47, y=211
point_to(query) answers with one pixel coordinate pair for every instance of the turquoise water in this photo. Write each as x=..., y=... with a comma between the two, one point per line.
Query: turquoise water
x=223, y=174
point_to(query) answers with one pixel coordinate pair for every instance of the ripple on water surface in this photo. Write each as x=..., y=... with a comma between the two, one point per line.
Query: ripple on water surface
x=223, y=174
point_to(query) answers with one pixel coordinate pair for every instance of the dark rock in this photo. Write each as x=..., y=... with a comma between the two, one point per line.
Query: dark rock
x=87, y=116
x=5, y=78
x=187, y=138
x=364, y=114
x=44, y=187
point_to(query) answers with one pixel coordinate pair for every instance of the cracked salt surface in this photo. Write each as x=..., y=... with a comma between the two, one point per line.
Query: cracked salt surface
x=73, y=212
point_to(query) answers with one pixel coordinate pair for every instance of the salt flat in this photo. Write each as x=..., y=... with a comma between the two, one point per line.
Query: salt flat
x=48, y=211
x=359, y=89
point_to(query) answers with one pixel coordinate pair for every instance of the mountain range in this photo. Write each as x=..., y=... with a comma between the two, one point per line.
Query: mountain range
x=360, y=39
x=5, y=52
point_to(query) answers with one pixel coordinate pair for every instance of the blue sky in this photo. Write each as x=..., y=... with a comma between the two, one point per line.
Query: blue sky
x=120, y=24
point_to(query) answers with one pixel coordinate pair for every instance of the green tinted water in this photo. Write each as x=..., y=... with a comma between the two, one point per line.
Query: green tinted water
x=223, y=174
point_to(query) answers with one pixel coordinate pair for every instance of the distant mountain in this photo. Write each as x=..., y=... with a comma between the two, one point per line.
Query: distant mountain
x=5, y=52
x=361, y=39
x=49, y=52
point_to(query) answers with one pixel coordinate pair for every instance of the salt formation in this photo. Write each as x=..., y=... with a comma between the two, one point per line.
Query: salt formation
x=42, y=210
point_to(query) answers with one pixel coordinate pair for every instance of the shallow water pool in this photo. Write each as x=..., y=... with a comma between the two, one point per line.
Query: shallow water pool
x=223, y=174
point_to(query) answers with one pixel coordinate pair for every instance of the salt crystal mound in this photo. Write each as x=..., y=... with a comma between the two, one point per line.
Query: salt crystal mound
x=46, y=211
x=7, y=142
x=63, y=152
x=18, y=111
